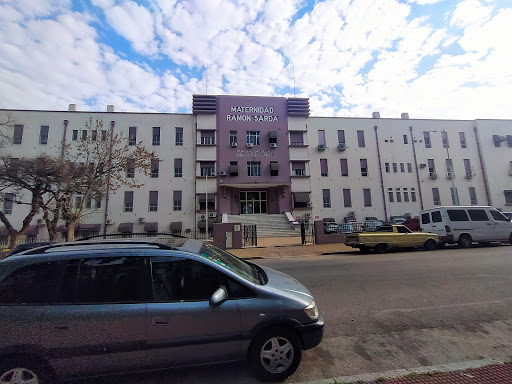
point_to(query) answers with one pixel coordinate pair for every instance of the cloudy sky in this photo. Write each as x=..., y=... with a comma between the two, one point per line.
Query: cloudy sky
x=431, y=58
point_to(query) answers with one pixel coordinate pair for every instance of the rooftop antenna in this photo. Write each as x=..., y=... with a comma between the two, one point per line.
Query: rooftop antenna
x=206, y=78
x=293, y=69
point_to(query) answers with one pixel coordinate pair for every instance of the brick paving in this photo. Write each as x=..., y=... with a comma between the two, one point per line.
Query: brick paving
x=491, y=374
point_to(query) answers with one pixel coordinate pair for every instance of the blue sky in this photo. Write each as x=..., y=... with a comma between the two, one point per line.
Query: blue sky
x=430, y=58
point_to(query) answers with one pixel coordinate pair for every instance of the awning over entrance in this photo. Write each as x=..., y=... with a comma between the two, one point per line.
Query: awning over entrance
x=88, y=228
x=272, y=134
x=125, y=228
x=151, y=227
x=233, y=169
x=301, y=197
x=201, y=197
x=274, y=166
x=202, y=224
x=176, y=226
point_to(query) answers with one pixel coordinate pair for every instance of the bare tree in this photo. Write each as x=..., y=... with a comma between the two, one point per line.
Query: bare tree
x=7, y=123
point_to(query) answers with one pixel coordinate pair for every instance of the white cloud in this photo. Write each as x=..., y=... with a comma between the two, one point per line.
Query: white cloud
x=470, y=12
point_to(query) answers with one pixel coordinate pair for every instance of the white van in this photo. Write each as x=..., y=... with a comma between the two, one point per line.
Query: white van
x=467, y=224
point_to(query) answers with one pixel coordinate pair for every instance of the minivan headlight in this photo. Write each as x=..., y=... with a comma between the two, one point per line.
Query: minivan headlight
x=312, y=311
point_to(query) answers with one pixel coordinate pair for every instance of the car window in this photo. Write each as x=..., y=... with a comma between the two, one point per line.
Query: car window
x=110, y=280
x=179, y=279
x=478, y=215
x=425, y=218
x=457, y=215
x=436, y=217
x=402, y=229
x=32, y=284
x=496, y=215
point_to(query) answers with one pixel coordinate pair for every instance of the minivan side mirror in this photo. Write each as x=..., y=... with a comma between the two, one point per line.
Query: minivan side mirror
x=218, y=297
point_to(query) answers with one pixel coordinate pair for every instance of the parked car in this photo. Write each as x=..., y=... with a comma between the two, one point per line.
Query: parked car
x=508, y=215
x=466, y=224
x=413, y=223
x=391, y=236
x=113, y=306
x=23, y=247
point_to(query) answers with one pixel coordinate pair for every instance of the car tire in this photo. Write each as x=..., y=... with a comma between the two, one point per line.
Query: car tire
x=465, y=241
x=21, y=371
x=380, y=248
x=430, y=245
x=275, y=354
x=364, y=249
x=441, y=244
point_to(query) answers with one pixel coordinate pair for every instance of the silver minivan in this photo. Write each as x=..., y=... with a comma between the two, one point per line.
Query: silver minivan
x=467, y=224
x=115, y=306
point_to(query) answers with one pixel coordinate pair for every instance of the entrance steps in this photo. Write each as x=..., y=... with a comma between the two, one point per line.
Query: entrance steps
x=267, y=225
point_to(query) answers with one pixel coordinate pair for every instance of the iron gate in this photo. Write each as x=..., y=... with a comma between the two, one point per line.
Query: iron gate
x=250, y=236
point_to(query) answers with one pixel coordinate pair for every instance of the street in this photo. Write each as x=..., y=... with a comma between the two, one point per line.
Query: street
x=390, y=311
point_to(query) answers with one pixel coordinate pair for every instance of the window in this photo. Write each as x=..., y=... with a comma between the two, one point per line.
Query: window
x=498, y=215
x=472, y=196
x=402, y=167
x=367, y=196
x=103, y=135
x=75, y=135
x=455, y=196
x=301, y=200
x=508, y=197
x=296, y=138
x=326, y=195
x=88, y=202
x=177, y=279
x=321, y=137
x=347, y=198
x=360, y=139
x=409, y=167
x=395, y=167
x=323, y=168
x=208, y=137
x=341, y=137
x=444, y=138
x=8, y=203
x=386, y=165
x=436, y=217
x=253, y=168
x=179, y=136
x=43, y=134
x=425, y=218
x=467, y=168
x=405, y=139
x=155, y=167
x=18, y=134
x=176, y=198
x=462, y=138
x=272, y=137
x=207, y=168
x=153, y=201
x=431, y=167
x=178, y=168
x=413, y=195
x=233, y=138
x=98, y=202
x=130, y=168
x=364, y=167
x=253, y=137
x=156, y=135
x=94, y=135
x=344, y=167
x=78, y=201
x=426, y=139
x=398, y=196
x=233, y=168
x=457, y=214
x=110, y=280
x=274, y=168
x=391, y=195
x=84, y=135
x=449, y=168
x=435, y=196
x=128, y=201
x=478, y=215
x=298, y=168
x=132, y=136
x=406, y=195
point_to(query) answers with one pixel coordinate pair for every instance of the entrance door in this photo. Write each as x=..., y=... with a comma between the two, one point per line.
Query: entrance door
x=253, y=202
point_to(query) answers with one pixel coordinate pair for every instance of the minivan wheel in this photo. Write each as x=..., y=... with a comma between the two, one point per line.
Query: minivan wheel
x=430, y=245
x=13, y=371
x=465, y=241
x=275, y=354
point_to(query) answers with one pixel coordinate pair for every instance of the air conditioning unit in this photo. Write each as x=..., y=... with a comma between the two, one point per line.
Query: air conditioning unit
x=222, y=173
x=308, y=214
x=250, y=145
x=321, y=147
x=469, y=176
x=234, y=144
x=110, y=222
x=142, y=220
x=212, y=214
x=273, y=145
x=342, y=146
x=423, y=165
x=309, y=204
x=202, y=217
x=433, y=175
x=352, y=214
x=449, y=175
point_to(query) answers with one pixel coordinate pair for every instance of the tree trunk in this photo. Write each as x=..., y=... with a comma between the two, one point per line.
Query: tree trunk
x=70, y=227
x=14, y=239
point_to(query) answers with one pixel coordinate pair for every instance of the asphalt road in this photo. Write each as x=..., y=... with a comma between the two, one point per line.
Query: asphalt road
x=391, y=311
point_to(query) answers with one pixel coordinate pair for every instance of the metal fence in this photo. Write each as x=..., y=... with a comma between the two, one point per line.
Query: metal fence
x=250, y=236
x=307, y=232
x=352, y=226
